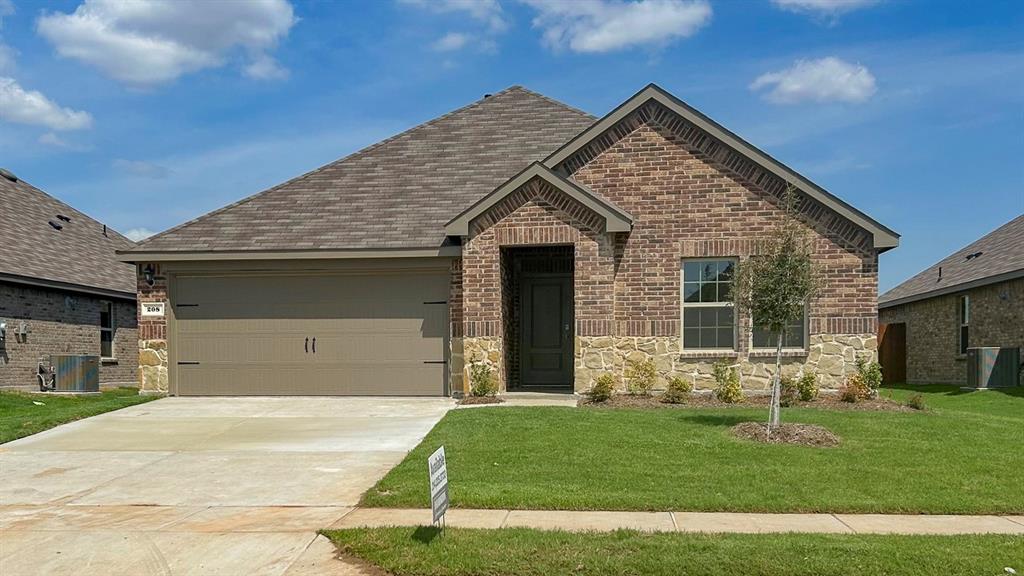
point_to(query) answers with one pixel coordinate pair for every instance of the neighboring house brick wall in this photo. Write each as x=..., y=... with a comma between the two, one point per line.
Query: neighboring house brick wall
x=63, y=322
x=152, y=342
x=627, y=286
x=932, y=333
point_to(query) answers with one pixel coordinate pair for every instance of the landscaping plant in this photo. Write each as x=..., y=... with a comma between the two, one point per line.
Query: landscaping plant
x=788, y=392
x=727, y=388
x=807, y=387
x=603, y=388
x=915, y=401
x=640, y=375
x=481, y=379
x=775, y=286
x=677, y=391
x=870, y=374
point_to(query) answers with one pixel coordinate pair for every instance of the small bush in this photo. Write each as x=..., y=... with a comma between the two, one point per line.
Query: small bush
x=481, y=379
x=807, y=387
x=788, y=392
x=603, y=388
x=870, y=374
x=677, y=391
x=640, y=375
x=916, y=401
x=855, y=389
x=727, y=381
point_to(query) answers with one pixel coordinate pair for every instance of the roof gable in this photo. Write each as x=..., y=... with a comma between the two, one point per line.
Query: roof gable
x=615, y=218
x=882, y=238
x=78, y=256
x=997, y=256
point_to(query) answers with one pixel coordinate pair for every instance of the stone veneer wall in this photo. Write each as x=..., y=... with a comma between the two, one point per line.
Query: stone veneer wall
x=933, y=356
x=153, y=376
x=690, y=197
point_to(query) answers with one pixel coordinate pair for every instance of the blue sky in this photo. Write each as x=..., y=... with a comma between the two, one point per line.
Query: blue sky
x=146, y=115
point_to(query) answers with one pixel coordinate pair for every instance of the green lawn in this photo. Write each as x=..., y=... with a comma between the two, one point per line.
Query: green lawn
x=20, y=417
x=523, y=552
x=962, y=455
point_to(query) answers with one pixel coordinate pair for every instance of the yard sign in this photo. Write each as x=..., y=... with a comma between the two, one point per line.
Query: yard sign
x=438, y=483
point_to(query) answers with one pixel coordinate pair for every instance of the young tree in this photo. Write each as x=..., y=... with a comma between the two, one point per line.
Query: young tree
x=775, y=285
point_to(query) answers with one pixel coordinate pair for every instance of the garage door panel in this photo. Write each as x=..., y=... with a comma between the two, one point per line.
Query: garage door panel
x=382, y=334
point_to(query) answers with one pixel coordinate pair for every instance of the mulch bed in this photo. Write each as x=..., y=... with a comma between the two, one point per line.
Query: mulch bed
x=826, y=401
x=471, y=400
x=799, y=434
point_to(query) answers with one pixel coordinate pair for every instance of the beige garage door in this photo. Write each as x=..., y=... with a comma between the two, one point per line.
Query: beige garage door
x=351, y=334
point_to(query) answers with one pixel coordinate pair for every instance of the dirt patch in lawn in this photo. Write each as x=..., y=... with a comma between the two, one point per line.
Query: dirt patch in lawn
x=474, y=400
x=799, y=434
x=826, y=401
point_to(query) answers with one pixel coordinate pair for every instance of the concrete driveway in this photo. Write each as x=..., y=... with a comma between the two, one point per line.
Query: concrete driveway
x=200, y=485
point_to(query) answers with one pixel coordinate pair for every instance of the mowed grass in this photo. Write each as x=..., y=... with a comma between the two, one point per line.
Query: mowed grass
x=962, y=455
x=523, y=552
x=20, y=416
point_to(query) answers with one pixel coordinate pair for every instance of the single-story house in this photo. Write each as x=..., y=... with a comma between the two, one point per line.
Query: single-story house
x=973, y=298
x=63, y=289
x=518, y=232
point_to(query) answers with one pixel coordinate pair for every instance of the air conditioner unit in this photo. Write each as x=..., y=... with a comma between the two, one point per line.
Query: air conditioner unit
x=75, y=373
x=993, y=367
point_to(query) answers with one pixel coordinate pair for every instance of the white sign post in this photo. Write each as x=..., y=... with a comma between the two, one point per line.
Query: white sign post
x=438, y=469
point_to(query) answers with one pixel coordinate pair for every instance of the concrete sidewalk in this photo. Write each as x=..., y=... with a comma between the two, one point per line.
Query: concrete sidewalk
x=691, y=521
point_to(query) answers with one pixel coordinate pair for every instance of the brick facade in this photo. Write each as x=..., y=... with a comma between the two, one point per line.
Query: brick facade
x=932, y=329
x=689, y=197
x=63, y=322
x=152, y=342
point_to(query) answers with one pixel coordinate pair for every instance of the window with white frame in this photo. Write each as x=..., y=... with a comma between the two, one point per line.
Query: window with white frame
x=709, y=317
x=794, y=335
x=107, y=329
x=964, y=321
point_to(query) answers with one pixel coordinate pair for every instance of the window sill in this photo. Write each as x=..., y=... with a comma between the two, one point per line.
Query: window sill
x=108, y=360
x=699, y=354
x=786, y=353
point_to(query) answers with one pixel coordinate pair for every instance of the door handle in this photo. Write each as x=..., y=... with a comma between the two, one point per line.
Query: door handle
x=307, y=344
x=314, y=344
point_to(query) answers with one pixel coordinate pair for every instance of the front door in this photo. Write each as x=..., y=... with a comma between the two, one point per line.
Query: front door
x=547, y=331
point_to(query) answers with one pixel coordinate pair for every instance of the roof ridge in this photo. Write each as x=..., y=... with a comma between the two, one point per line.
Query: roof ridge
x=549, y=99
x=345, y=158
x=953, y=256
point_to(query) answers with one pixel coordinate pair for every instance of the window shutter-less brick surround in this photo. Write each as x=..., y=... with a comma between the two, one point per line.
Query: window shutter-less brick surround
x=690, y=197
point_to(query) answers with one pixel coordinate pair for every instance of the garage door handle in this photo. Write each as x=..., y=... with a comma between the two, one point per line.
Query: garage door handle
x=307, y=344
x=314, y=344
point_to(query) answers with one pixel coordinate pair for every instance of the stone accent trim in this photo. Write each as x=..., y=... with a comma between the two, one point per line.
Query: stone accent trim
x=153, y=377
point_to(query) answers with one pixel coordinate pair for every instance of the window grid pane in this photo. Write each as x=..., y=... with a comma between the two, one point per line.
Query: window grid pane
x=792, y=337
x=708, y=317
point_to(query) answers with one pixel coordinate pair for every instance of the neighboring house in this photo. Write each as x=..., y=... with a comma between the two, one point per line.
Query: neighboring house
x=62, y=288
x=973, y=298
x=516, y=231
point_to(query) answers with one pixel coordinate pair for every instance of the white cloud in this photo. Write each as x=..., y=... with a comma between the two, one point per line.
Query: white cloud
x=824, y=7
x=141, y=168
x=450, y=42
x=825, y=80
x=606, y=25
x=6, y=52
x=265, y=67
x=151, y=43
x=32, y=107
x=57, y=141
x=485, y=11
x=138, y=234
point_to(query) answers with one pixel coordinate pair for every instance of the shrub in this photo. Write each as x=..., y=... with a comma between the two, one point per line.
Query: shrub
x=916, y=401
x=807, y=387
x=640, y=375
x=870, y=374
x=788, y=392
x=678, y=391
x=855, y=388
x=603, y=388
x=481, y=379
x=727, y=381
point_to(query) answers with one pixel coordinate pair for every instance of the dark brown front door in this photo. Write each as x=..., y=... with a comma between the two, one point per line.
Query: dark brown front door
x=547, y=335
x=892, y=352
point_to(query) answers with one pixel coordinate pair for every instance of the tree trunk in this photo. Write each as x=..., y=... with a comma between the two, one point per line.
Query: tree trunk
x=776, y=403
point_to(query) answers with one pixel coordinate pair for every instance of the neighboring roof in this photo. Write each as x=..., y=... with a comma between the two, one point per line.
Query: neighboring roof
x=76, y=257
x=996, y=257
x=616, y=219
x=397, y=194
x=884, y=238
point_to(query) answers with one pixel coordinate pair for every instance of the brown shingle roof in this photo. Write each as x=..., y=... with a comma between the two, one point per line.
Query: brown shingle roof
x=997, y=255
x=78, y=254
x=398, y=193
